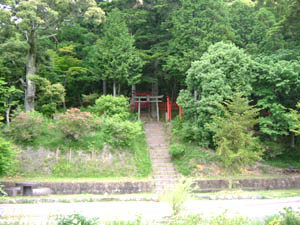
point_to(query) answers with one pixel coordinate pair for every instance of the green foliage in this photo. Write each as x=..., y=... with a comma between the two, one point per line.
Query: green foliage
x=26, y=127
x=75, y=124
x=110, y=106
x=176, y=150
x=288, y=158
x=224, y=219
x=216, y=76
x=114, y=56
x=277, y=86
x=295, y=116
x=179, y=195
x=118, y=166
x=141, y=157
x=190, y=154
x=8, y=155
x=234, y=135
x=287, y=217
x=76, y=219
x=7, y=95
x=274, y=148
x=49, y=96
x=121, y=134
x=195, y=26
x=90, y=99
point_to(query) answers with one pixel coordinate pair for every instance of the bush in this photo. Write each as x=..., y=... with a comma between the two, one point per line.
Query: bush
x=234, y=135
x=287, y=217
x=26, y=127
x=176, y=150
x=76, y=219
x=112, y=106
x=121, y=133
x=178, y=196
x=7, y=158
x=75, y=124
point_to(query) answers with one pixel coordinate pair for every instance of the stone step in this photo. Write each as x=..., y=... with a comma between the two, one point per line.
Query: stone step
x=160, y=153
x=155, y=133
x=165, y=158
x=165, y=181
x=161, y=145
x=163, y=170
x=164, y=173
x=165, y=177
x=157, y=150
x=159, y=164
x=160, y=161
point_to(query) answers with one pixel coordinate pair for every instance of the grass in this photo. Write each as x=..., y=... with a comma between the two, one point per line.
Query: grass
x=287, y=216
x=66, y=179
x=287, y=160
x=192, y=157
x=142, y=157
x=266, y=193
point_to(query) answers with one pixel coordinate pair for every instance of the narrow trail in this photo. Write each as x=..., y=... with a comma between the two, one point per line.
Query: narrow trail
x=164, y=173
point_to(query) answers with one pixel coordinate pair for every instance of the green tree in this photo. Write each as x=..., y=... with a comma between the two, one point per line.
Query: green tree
x=276, y=88
x=216, y=76
x=7, y=158
x=39, y=20
x=8, y=98
x=242, y=21
x=116, y=54
x=234, y=133
x=196, y=26
x=49, y=96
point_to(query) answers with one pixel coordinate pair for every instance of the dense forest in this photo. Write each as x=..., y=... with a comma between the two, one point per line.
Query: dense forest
x=62, y=54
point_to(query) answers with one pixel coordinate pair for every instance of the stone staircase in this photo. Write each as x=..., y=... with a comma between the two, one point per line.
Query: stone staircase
x=164, y=173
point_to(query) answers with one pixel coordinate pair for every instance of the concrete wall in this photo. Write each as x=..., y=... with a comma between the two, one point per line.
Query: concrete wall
x=93, y=187
x=249, y=184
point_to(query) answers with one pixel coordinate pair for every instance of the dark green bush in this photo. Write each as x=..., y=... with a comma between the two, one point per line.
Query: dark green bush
x=26, y=127
x=7, y=158
x=76, y=219
x=112, y=106
x=120, y=133
x=176, y=150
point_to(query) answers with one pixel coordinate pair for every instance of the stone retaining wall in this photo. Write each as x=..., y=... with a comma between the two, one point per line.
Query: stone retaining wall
x=249, y=184
x=93, y=187
x=148, y=186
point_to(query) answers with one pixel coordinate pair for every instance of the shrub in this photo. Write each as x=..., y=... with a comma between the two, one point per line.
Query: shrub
x=234, y=135
x=75, y=124
x=112, y=106
x=120, y=133
x=178, y=196
x=76, y=219
x=287, y=217
x=26, y=127
x=7, y=158
x=176, y=150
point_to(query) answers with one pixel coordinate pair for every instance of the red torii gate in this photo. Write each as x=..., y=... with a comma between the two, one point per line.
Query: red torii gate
x=143, y=99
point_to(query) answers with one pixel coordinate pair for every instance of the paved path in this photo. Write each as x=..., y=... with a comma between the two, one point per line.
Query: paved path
x=149, y=211
x=164, y=172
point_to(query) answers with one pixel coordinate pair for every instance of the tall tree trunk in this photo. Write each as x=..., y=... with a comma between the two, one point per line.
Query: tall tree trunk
x=154, y=88
x=292, y=140
x=119, y=89
x=79, y=98
x=104, y=87
x=133, y=92
x=7, y=113
x=114, y=88
x=195, y=95
x=30, y=71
